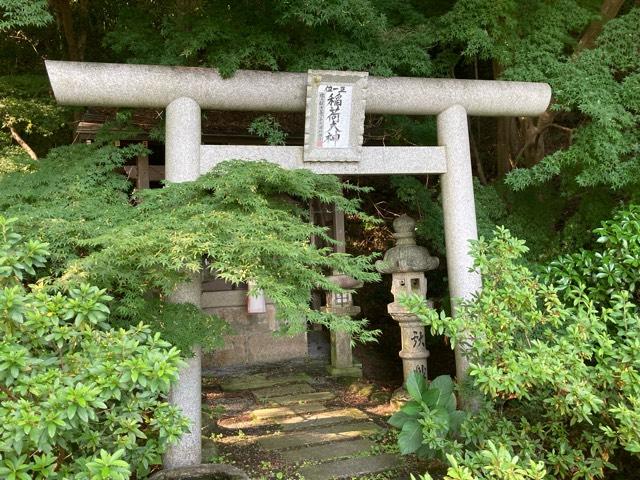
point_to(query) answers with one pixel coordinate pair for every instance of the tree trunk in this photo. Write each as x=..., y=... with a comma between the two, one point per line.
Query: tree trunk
x=608, y=11
x=504, y=136
x=24, y=145
x=64, y=18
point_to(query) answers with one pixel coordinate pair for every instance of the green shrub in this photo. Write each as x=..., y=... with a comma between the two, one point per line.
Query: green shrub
x=429, y=417
x=555, y=360
x=77, y=398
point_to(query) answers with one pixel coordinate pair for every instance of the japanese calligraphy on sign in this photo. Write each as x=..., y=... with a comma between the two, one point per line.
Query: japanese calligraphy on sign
x=334, y=116
x=334, y=123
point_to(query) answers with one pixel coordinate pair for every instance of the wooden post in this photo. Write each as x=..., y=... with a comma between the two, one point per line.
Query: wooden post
x=338, y=229
x=142, y=164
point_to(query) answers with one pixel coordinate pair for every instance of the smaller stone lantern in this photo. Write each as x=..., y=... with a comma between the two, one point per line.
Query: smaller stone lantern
x=407, y=262
x=341, y=303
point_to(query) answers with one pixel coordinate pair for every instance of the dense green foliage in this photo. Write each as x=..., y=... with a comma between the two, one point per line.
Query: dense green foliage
x=248, y=220
x=78, y=399
x=584, y=145
x=27, y=110
x=555, y=357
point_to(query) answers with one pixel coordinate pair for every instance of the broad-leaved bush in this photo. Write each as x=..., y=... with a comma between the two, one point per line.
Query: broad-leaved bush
x=555, y=359
x=78, y=399
x=430, y=412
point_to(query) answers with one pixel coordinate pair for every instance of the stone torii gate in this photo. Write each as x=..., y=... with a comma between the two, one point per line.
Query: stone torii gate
x=185, y=91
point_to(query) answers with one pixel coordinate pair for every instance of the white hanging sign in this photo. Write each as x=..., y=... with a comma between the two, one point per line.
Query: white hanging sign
x=334, y=122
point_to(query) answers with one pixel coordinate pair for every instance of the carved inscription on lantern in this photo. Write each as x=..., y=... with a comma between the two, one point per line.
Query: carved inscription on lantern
x=417, y=338
x=421, y=369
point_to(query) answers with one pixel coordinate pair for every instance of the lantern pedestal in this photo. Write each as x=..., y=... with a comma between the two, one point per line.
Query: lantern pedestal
x=341, y=303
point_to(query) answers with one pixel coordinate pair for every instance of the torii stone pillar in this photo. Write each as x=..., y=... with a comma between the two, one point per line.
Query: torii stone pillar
x=459, y=215
x=182, y=164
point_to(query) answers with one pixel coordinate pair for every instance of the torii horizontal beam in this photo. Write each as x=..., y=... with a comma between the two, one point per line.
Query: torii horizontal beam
x=374, y=161
x=154, y=86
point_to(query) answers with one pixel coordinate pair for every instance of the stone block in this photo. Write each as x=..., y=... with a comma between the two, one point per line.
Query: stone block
x=355, y=371
x=228, y=298
x=301, y=398
x=352, y=467
x=332, y=433
x=261, y=380
x=263, y=394
x=242, y=322
x=256, y=343
x=322, y=419
x=266, y=347
x=329, y=451
x=233, y=353
x=262, y=414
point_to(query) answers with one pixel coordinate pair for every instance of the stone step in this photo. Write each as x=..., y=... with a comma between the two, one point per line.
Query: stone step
x=301, y=398
x=295, y=422
x=261, y=380
x=333, y=433
x=351, y=467
x=321, y=419
x=265, y=414
x=264, y=394
x=328, y=451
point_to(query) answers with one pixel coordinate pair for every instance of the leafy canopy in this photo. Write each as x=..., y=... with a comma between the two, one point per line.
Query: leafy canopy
x=247, y=219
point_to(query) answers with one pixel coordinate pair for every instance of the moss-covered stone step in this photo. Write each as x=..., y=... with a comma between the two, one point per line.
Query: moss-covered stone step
x=301, y=398
x=327, y=451
x=264, y=394
x=332, y=433
x=261, y=380
x=351, y=467
x=320, y=419
x=264, y=414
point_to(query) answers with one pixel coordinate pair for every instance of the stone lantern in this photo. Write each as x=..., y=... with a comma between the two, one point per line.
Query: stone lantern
x=341, y=303
x=407, y=262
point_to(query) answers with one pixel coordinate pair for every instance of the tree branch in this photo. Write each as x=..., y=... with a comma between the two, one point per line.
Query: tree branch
x=24, y=145
x=608, y=11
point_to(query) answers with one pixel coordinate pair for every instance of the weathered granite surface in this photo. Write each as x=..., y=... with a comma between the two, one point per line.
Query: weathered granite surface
x=459, y=214
x=155, y=86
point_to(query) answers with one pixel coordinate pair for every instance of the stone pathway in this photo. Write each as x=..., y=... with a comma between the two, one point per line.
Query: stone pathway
x=287, y=426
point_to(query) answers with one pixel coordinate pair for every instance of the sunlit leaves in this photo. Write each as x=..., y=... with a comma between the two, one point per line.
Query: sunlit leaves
x=70, y=383
x=555, y=355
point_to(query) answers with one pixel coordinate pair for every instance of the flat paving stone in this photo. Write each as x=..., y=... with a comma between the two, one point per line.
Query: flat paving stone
x=261, y=380
x=262, y=414
x=333, y=433
x=328, y=451
x=264, y=394
x=301, y=398
x=320, y=419
x=351, y=467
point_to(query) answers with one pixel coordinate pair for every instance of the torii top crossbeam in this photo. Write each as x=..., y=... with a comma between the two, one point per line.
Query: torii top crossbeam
x=153, y=86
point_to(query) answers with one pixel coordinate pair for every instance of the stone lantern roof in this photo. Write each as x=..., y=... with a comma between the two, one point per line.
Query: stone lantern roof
x=406, y=256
